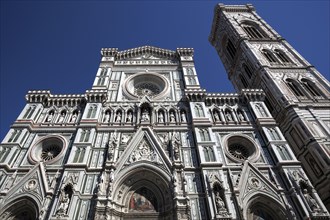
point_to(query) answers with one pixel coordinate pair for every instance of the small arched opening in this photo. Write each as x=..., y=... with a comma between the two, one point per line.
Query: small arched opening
x=21, y=209
x=264, y=208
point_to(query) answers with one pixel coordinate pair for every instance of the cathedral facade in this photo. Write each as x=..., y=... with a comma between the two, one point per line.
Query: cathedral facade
x=147, y=142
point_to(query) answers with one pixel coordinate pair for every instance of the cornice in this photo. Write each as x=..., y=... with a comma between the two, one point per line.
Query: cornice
x=46, y=98
x=139, y=51
x=253, y=94
x=150, y=50
x=109, y=52
x=96, y=95
x=220, y=8
x=185, y=51
x=200, y=95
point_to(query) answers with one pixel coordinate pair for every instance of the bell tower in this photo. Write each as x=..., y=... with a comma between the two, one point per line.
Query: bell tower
x=297, y=95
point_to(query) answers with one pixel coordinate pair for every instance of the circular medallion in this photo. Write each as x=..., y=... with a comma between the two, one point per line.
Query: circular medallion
x=31, y=185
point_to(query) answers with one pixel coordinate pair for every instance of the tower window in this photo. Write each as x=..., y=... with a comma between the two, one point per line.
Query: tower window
x=269, y=56
x=252, y=32
x=231, y=49
x=285, y=155
x=310, y=87
x=282, y=56
x=293, y=85
x=245, y=84
x=247, y=70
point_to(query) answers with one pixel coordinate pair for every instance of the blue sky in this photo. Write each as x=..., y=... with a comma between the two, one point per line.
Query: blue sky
x=55, y=45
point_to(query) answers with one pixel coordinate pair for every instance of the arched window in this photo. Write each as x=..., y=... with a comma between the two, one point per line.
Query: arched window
x=284, y=153
x=15, y=135
x=310, y=87
x=231, y=49
x=199, y=110
x=294, y=86
x=208, y=153
x=4, y=152
x=84, y=136
x=92, y=111
x=100, y=81
x=103, y=72
x=247, y=70
x=29, y=112
x=253, y=32
x=243, y=80
x=79, y=155
x=204, y=134
x=102, y=77
x=269, y=56
x=282, y=56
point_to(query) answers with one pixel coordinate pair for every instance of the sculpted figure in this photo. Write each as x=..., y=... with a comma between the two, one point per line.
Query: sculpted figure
x=160, y=117
x=241, y=116
x=61, y=118
x=228, y=116
x=50, y=116
x=219, y=203
x=183, y=117
x=145, y=115
x=129, y=117
x=311, y=201
x=106, y=116
x=172, y=117
x=118, y=117
x=64, y=203
x=74, y=117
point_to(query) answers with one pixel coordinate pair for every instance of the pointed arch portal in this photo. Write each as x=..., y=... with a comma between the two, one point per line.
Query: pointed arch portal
x=21, y=209
x=145, y=194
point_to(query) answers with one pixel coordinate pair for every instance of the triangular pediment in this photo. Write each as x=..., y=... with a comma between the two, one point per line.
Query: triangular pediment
x=146, y=53
x=34, y=183
x=253, y=182
x=144, y=148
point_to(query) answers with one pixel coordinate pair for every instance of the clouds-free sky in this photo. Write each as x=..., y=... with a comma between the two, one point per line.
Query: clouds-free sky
x=55, y=45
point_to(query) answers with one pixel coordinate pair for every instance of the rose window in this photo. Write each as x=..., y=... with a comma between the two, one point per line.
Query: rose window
x=50, y=152
x=240, y=147
x=239, y=151
x=48, y=149
x=148, y=89
x=149, y=84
